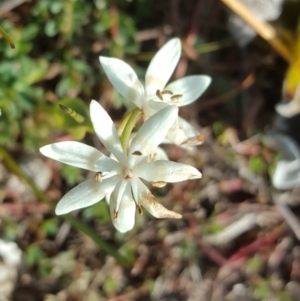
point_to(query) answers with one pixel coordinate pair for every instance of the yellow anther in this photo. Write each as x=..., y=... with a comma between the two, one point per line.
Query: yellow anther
x=159, y=184
x=98, y=177
x=159, y=95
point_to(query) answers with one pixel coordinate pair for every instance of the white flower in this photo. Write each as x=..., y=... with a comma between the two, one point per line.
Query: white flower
x=121, y=179
x=156, y=94
x=10, y=253
x=287, y=172
x=292, y=108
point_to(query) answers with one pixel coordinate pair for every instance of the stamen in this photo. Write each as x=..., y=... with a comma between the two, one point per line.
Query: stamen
x=197, y=140
x=98, y=177
x=116, y=214
x=138, y=153
x=167, y=92
x=159, y=184
x=140, y=209
x=151, y=157
x=159, y=95
x=176, y=97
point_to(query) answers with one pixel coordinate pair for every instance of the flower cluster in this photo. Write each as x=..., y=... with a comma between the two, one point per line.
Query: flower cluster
x=121, y=177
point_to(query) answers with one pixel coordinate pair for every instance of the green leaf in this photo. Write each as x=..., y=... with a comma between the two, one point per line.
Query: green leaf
x=50, y=28
x=71, y=174
x=262, y=291
x=99, y=210
x=50, y=226
x=257, y=164
x=254, y=264
x=64, y=121
x=34, y=254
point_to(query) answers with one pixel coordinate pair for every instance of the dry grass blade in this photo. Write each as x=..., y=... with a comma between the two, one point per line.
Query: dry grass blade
x=287, y=214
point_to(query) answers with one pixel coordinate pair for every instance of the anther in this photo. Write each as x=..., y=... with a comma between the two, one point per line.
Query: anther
x=151, y=157
x=159, y=184
x=176, y=97
x=140, y=209
x=167, y=92
x=159, y=95
x=197, y=140
x=138, y=153
x=98, y=177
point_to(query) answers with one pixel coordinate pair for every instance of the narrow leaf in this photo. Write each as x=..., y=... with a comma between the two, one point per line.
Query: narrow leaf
x=77, y=117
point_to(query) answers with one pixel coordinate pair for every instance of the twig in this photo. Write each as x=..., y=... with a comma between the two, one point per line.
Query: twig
x=153, y=33
x=10, y=163
x=130, y=295
x=207, y=249
x=288, y=215
x=247, y=222
x=245, y=84
x=265, y=30
x=247, y=251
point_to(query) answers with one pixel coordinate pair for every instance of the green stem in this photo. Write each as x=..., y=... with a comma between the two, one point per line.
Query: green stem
x=10, y=163
x=131, y=122
x=7, y=37
x=124, y=122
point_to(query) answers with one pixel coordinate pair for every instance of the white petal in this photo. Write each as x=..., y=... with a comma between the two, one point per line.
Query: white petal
x=190, y=87
x=292, y=108
x=126, y=214
x=85, y=194
x=124, y=79
x=106, y=131
x=166, y=171
x=287, y=171
x=286, y=174
x=182, y=132
x=149, y=202
x=151, y=107
x=158, y=154
x=287, y=146
x=119, y=193
x=152, y=133
x=289, y=109
x=135, y=189
x=162, y=66
x=79, y=155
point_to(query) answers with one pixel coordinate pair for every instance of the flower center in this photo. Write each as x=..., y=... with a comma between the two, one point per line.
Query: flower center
x=127, y=174
x=167, y=95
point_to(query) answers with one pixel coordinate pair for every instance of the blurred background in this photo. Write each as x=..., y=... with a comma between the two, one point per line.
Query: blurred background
x=239, y=236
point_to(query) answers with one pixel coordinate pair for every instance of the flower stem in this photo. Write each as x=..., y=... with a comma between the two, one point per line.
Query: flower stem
x=130, y=124
x=77, y=224
x=123, y=122
x=7, y=37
